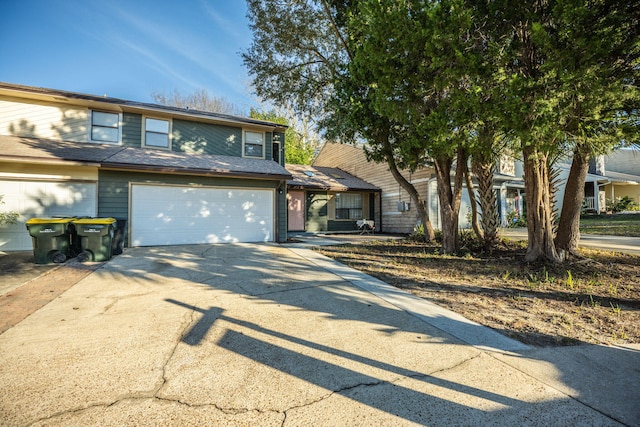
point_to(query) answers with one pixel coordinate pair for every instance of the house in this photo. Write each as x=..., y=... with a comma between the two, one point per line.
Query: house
x=326, y=199
x=610, y=177
x=397, y=215
x=176, y=175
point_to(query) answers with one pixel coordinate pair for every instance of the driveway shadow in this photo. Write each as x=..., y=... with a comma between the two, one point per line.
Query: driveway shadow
x=602, y=378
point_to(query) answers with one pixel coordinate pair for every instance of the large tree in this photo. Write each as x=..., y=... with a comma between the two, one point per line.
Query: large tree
x=410, y=57
x=300, y=54
x=563, y=68
x=596, y=56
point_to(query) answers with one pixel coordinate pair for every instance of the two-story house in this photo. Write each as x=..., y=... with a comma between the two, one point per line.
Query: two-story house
x=176, y=175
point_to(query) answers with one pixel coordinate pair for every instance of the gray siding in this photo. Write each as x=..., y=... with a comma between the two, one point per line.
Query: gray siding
x=281, y=200
x=132, y=130
x=268, y=146
x=204, y=138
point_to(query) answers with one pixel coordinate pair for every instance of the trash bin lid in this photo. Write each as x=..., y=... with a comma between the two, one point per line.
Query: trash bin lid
x=48, y=221
x=94, y=221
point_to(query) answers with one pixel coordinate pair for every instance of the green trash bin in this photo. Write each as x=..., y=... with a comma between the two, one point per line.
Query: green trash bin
x=51, y=237
x=95, y=236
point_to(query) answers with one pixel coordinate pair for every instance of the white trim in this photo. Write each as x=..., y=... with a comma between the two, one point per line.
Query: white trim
x=279, y=144
x=264, y=143
x=143, y=137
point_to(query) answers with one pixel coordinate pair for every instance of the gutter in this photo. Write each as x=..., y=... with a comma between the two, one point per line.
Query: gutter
x=194, y=172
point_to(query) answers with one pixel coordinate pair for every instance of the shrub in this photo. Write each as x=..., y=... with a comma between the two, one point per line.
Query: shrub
x=621, y=204
x=514, y=220
x=7, y=217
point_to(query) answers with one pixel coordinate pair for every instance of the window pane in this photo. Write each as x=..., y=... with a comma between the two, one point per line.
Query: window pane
x=253, y=138
x=99, y=118
x=348, y=206
x=156, y=139
x=345, y=200
x=253, y=150
x=155, y=125
x=104, y=134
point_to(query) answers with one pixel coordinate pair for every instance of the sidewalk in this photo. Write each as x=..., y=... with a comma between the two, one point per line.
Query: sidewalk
x=625, y=244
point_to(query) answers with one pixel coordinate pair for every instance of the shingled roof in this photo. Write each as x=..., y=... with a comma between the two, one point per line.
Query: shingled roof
x=66, y=96
x=139, y=159
x=325, y=178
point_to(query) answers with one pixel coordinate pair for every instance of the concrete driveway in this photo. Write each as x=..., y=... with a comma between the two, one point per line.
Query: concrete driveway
x=269, y=335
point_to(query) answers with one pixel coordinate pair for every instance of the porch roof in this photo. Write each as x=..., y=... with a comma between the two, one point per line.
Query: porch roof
x=118, y=157
x=325, y=178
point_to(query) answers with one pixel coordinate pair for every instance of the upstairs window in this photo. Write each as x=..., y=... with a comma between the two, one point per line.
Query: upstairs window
x=157, y=133
x=105, y=127
x=253, y=144
x=348, y=206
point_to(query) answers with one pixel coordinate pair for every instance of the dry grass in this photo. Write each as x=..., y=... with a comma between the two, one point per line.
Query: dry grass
x=596, y=300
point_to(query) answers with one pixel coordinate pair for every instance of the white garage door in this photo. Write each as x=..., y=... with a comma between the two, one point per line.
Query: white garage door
x=172, y=215
x=41, y=199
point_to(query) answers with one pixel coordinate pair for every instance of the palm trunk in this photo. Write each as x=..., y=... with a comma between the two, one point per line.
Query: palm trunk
x=539, y=216
x=483, y=171
x=569, y=226
x=475, y=223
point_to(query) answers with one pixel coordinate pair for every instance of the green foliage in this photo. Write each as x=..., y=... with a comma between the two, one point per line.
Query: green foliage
x=7, y=217
x=421, y=81
x=300, y=146
x=621, y=204
x=514, y=220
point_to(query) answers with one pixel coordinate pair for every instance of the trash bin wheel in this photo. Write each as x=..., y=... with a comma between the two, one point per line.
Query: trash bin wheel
x=84, y=256
x=58, y=257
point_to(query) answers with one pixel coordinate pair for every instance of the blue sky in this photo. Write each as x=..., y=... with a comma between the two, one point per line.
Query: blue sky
x=127, y=48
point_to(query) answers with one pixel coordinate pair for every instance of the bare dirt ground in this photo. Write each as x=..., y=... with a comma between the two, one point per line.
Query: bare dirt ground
x=596, y=300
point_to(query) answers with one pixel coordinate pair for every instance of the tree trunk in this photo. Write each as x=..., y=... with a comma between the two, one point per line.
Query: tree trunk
x=418, y=201
x=449, y=199
x=475, y=224
x=569, y=226
x=483, y=171
x=539, y=223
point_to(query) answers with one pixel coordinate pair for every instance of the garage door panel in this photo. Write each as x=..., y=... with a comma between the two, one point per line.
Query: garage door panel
x=166, y=215
x=42, y=199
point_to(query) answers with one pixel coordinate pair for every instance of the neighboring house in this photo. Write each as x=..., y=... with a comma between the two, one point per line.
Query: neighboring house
x=610, y=177
x=397, y=214
x=177, y=176
x=621, y=173
x=326, y=199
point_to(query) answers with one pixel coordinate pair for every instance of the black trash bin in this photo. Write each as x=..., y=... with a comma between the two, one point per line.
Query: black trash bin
x=51, y=239
x=117, y=244
x=95, y=237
